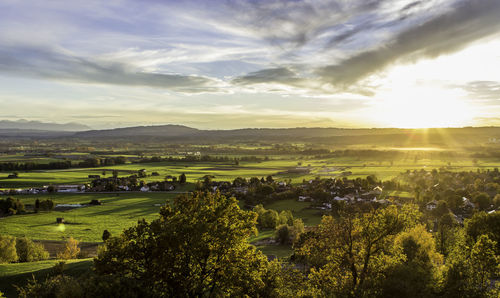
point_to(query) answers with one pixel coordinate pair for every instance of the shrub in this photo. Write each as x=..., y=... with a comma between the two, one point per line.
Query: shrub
x=8, y=252
x=105, y=235
x=57, y=286
x=29, y=251
x=58, y=268
x=70, y=251
x=11, y=206
x=46, y=205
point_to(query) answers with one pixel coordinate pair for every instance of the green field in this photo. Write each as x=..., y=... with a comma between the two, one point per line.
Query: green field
x=86, y=223
x=19, y=273
x=331, y=167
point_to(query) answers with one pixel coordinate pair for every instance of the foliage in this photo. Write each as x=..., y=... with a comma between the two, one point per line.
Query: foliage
x=11, y=206
x=470, y=269
x=197, y=247
x=46, y=205
x=29, y=251
x=416, y=270
x=106, y=235
x=349, y=254
x=8, y=253
x=482, y=223
x=287, y=234
x=71, y=250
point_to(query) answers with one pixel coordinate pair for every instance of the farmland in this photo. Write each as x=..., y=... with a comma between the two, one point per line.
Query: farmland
x=293, y=163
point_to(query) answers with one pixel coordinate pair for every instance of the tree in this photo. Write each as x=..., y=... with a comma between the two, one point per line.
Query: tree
x=105, y=235
x=8, y=253
x=484, y=262
x=483, y=200
x=182, y=178
x=470, y=269
x=414, y=272
x=71, y=250
x=197, y=247
x=349, y=253
x=29, y=251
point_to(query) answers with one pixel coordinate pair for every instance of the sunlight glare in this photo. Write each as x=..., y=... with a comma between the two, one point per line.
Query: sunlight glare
x=423, y=107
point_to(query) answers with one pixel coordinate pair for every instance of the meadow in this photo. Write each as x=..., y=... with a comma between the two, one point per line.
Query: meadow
x=278, y=166
x=116, y=213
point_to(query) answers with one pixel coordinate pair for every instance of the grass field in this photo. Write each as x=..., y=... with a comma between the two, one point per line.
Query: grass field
x=20, y=273
x=331, y=167
x=86, y=223
x=310, y=217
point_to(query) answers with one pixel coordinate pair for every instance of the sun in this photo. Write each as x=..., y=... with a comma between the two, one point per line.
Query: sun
x=423, y=107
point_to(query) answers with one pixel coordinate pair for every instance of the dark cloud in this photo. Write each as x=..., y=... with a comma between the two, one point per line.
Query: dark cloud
x=293, y=23
x=280, y=75
x=51, y=64
x=411, y=5
x=484, y=90
x=467, y=22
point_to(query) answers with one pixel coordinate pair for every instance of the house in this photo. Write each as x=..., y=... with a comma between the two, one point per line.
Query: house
x=431, y=205
x=145, y=188
x=377, y=190
x=304, y=198
x=466, y=203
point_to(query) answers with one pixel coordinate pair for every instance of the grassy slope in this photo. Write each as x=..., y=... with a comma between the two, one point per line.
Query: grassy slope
x=87, y=223
x=19, y=273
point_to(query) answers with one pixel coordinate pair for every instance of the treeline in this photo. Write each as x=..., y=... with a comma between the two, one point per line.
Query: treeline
x=66, y=164
x=201, y=158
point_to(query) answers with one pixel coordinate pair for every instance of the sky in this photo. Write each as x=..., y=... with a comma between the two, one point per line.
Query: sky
x=256, y=63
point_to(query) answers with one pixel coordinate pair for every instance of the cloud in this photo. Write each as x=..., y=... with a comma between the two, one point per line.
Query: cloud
x=448, y=32
x=48, y=63
x=484, y=90
x=272, y=75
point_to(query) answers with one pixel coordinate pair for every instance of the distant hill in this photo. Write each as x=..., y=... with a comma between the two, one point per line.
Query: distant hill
x=45, y=126
x=467, y=136
x=162, y=131
x=15, y=133
x=387, y=137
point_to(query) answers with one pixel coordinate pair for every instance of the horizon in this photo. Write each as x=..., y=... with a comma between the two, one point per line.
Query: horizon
x=328, y=63
x=226, y=129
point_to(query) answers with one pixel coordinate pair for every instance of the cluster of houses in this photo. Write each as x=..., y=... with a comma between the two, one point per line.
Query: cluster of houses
x=354, y=196
x=63, y=188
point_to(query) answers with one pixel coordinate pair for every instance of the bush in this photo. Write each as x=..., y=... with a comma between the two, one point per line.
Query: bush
x=70, y=251
x=29, y=251
x=286, y=234
x=8, y=253
x=46, y=205
x=105, y=235
x=11, y=206
x=57, y=286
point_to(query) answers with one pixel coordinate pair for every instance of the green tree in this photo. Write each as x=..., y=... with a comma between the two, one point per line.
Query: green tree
x=106, y=235
x=8, y=253
x=71, y=250
x=482, y=200
x=29, y=251
x=197, y=247
x=349, y=253
x=415, y=270
x=182, y=178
